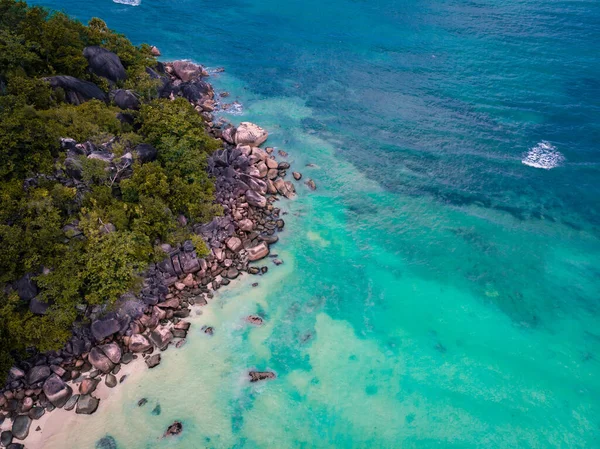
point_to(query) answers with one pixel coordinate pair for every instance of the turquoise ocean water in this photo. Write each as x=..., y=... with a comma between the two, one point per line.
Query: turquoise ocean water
x=441, y=288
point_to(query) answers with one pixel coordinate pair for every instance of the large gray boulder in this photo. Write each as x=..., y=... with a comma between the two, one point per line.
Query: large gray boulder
x=258, y=252
x=87, y=404
x=104, y=328
x=6, y=438
x=139, y=343
x=99, y=361
x=76, y=91
x=255, y=199
x=37, y=374
x=145, y=152
x=20, y=427
x=112, y=351
x=104, y=63
x=38, y=307
x=196, y=90
x=26, y=288
x=125, y=99
x=57, y=391
x=161, y=337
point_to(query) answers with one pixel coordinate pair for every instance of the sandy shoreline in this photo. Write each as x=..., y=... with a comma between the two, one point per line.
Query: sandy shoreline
x=249, y=180
x=52, y=423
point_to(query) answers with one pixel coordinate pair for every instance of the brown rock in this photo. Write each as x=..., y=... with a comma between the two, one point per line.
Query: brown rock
x=258, y=252
x=112, y=351
x=234, y=244
x=250, y=134
x=271, y=186
x=154, y=51
x=99, y=360
x=246, y=225
x=187, y=71
x=139, y=343
x=174, y=429
x=188, y=281
x=271, y=163
x=297, y=176
x=172, y=303
x=256, y=376
x=88, y=386
x=311, y=184
x=255, y=199
x=286, y=188
x=254, y=319
x=153, y=361
x=161, y=337
x=262, y=169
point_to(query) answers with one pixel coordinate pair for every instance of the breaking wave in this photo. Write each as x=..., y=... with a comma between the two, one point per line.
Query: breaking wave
x=129, y=2
x=543, y=155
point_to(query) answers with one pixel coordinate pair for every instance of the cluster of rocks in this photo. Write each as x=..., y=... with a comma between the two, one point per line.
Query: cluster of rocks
x=248, y=180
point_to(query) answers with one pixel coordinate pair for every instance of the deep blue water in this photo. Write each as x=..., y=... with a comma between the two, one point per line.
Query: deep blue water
x=437, y=291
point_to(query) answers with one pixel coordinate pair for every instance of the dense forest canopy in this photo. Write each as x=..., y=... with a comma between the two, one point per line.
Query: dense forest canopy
x=70, y=226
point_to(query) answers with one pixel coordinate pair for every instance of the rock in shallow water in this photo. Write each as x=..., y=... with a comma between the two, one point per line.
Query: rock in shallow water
x=107, y=442
x=153, y=361
x=256, y=376
x=174, y=429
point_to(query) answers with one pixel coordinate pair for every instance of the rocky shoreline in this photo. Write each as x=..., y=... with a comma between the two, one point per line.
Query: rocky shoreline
x=248, y=183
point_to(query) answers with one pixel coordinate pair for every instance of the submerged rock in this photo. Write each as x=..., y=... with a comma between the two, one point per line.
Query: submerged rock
x=254, y=319
x=256, y=376
x=174, y=429
x=106, y=442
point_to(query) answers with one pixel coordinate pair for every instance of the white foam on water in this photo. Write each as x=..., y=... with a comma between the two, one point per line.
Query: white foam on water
x=234, y=108
x=543, y=155
x=129, y=2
